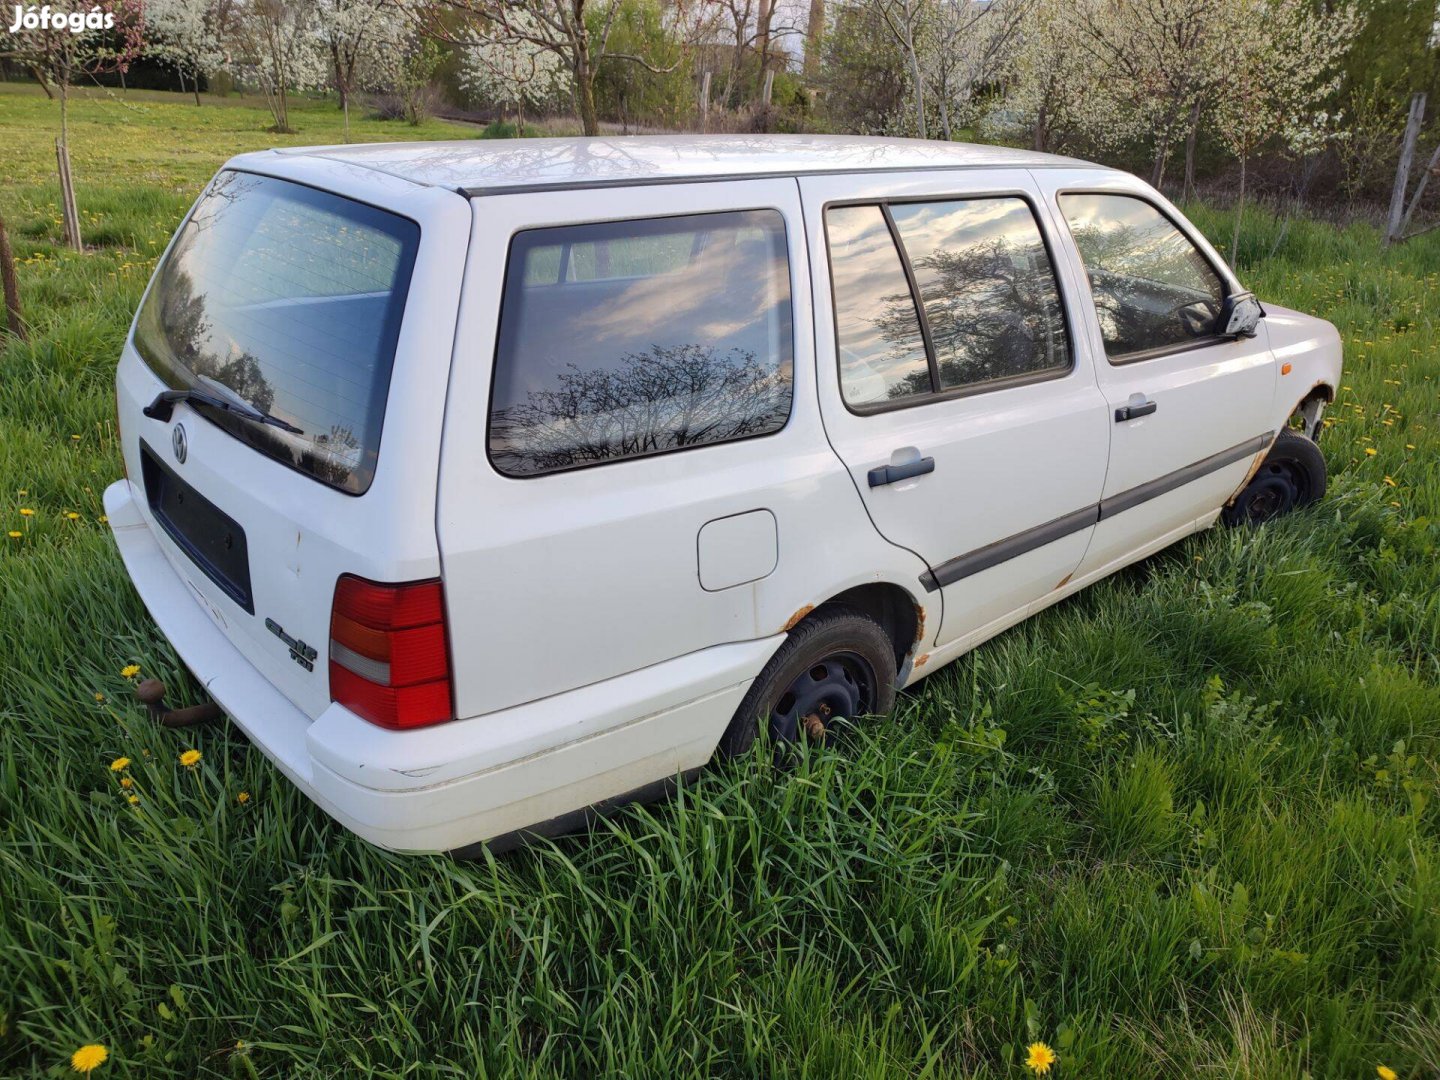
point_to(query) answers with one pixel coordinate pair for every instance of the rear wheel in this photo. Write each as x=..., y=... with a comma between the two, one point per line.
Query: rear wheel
x=837, y=664
x=1291, y=476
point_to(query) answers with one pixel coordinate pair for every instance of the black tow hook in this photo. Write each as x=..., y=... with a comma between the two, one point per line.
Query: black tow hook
x=152, y=693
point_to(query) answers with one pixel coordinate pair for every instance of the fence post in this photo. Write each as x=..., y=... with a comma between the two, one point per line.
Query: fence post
x=1394, y=223
x=705, y=102
x=68, y=209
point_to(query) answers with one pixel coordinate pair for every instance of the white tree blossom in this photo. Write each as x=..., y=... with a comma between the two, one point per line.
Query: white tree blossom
x=1279, y=64
x=514, y=71
x=185, y=35
x=364, y=41
x=278, y=45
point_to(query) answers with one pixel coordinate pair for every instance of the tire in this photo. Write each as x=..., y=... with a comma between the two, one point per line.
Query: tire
x=836, y=656
x=1291, y=476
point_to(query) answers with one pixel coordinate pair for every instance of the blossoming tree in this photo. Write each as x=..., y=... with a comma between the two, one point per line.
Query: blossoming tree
x=517, y=73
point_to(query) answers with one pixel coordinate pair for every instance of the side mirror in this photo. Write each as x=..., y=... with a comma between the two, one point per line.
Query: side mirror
x=1239, y=315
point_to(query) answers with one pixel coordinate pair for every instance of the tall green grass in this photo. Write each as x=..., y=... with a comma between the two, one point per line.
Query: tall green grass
x=1183, y=824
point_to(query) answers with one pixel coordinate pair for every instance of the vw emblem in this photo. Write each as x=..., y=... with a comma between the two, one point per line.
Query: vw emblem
x=179, y=444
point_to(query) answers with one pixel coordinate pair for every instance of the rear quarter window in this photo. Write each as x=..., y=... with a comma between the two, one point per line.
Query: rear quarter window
x=627, y=339
x=290, y=299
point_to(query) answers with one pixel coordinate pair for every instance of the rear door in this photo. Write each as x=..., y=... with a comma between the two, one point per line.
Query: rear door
x=1189, y=411
x=951, y=385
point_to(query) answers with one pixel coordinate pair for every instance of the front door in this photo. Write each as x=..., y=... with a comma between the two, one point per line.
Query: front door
x=1189, y=409
x=951, y=384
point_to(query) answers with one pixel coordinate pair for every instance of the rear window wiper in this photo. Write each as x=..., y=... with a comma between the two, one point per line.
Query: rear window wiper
x=164, y=405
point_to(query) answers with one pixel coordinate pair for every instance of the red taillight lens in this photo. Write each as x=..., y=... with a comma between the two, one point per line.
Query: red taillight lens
x=389, y=657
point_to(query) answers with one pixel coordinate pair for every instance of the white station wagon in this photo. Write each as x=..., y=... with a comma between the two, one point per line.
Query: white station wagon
x=485, y=484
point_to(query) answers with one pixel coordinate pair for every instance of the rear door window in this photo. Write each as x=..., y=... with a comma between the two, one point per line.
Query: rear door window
x=940, y=298
x=627, y=339
x=989, y=293
x=882, y=349
x=289, y=299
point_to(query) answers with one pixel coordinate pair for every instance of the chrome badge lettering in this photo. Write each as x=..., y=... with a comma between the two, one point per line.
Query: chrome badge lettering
x=302, y=654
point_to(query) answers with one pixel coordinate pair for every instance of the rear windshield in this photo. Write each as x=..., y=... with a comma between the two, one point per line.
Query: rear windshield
x=289, y=299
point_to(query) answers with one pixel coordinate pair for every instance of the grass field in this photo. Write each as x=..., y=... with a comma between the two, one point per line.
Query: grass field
x=1187, y=823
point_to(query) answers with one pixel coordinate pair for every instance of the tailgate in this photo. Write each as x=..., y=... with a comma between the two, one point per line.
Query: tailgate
x=281, y=304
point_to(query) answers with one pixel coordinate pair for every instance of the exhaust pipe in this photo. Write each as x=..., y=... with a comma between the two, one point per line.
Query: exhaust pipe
x=152, y=693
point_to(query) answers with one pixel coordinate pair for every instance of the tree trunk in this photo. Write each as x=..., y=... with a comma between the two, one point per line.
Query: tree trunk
x=195, y=85
x=814, y=39
x=1042, y=131
x=764, y=16
x=1239, y=213
x=44, y=83
x=345, y=106
x=1395, y=221
x=914, y=59
x=1191, y=137
x=585, y=97
x=10, y=286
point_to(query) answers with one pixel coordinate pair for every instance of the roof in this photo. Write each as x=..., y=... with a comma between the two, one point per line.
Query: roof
x=478, y=167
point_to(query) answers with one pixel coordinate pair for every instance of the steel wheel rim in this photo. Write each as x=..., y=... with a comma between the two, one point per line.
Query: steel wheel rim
x=838, y=686
x=1276, y=490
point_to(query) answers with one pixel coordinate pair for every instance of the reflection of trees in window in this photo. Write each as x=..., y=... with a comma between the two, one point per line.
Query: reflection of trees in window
x=1149, y=290
x=649, y=402
x=993, y=313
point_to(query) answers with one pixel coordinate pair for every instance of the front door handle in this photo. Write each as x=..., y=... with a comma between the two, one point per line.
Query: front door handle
x=889, y=474
x=1137, y=406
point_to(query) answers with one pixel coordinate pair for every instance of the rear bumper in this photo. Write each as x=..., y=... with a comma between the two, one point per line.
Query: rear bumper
x=453, y=785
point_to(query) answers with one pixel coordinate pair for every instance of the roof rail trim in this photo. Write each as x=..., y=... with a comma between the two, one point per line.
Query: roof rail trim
x=472, y=191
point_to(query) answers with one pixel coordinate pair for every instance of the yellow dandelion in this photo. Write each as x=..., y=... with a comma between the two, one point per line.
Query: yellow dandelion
x=88, y=1057
x=22, y=492
x=126, y=782
x=71, y=515
x=1039, y=1058
x=243, y=798
x=75, y=437
x=129, y=671
x=15, y=535
x=120, y=764
x=189, y=758
x=134, y=800
x=99, y=696
x=1388, y=481
x=1385, y=1072
x=1370, y=451
x=25, y=511
x=104, y=520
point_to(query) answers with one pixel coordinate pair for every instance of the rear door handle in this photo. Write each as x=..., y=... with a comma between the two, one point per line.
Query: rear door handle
x=1136, y=407
x=889, y=474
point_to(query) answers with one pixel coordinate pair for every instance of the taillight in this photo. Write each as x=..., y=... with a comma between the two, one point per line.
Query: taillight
x=389, y=659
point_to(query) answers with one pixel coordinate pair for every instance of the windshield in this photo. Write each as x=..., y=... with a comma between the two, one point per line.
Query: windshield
x=289, y=300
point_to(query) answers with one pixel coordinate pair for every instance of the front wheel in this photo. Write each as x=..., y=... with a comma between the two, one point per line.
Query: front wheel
x=1291, y=476
x=837, y=664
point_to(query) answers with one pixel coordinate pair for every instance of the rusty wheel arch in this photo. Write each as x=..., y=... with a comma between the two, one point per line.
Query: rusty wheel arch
x=897, y=611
